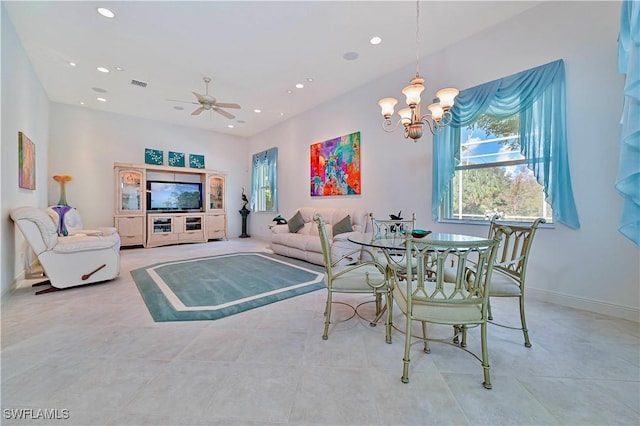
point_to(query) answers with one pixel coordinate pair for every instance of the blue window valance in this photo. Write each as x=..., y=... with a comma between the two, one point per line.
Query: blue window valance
x=628, y=180
x=538, y=95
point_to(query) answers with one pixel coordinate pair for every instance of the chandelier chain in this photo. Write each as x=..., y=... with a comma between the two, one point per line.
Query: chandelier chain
x=417, y=37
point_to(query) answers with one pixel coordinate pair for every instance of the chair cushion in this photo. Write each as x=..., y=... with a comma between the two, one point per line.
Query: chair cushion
x=296, y=222
x=344, y=225
x=356, y=279
x=77, y=243
x=503, y=285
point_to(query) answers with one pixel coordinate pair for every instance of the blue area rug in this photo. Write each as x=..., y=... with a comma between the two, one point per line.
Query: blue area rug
x=214, y=287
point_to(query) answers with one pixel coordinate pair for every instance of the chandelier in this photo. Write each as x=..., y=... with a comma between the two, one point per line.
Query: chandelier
x=439, y=114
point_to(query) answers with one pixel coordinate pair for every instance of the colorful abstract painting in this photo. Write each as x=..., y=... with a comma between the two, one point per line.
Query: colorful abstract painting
x=26, y=162
x=335, y=166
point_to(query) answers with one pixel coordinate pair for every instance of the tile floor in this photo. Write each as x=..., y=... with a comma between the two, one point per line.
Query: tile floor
x=97, y=353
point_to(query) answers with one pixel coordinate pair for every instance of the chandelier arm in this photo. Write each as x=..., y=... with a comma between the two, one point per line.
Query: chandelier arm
x=388, y=126
x=446, y=119
x=427, y=120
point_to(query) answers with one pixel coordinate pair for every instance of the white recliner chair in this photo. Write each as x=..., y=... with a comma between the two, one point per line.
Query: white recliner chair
x=69, y=261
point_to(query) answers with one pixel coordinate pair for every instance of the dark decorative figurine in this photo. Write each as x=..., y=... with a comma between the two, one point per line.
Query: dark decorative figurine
x=392, y=228
x=396, y=217
x=279, y=220
x=244, y=200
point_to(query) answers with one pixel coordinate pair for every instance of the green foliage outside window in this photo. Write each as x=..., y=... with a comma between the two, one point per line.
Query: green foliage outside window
x=492, y=177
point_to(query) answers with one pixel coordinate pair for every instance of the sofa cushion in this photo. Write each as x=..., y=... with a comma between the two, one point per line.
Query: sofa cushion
x=344, y=225
x=296, y=222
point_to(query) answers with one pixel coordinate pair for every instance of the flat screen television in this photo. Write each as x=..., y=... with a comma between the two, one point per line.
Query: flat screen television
x=174, y=196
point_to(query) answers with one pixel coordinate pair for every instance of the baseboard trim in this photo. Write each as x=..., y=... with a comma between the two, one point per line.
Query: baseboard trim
x=619, y=311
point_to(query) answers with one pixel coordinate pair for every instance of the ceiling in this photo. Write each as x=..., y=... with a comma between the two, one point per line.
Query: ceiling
x=254, y=52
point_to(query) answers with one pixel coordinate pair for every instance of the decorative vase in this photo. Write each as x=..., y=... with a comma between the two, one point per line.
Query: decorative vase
x=62, y=179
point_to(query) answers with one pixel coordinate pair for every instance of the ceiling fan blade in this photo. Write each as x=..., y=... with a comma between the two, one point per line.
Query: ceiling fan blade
x=198, y=111
x=200, y=98
x=184, y=102
x=223, y=112
x=227, y=105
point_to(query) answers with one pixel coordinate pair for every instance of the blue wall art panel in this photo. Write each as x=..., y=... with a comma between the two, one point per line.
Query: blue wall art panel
x=153, y=156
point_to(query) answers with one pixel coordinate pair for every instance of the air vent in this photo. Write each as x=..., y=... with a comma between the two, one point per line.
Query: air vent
x=138, y=83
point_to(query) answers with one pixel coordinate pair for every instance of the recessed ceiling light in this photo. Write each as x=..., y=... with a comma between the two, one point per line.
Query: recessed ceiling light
x=119, y=69
x=102, y=99
x=72, y=64
x=81, y=103
x=375, y=40
x=282, y=114
x=289, y=91
x=106, y=12
x=310, y=80
x=350, y=56
x=299, y=85
x=230, y=126
x=257, y=110
x=103, y=69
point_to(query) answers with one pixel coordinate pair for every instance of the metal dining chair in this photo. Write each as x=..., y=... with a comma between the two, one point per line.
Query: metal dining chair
x=510, y=270
x=367, y=277
x=392, y=229
x=460, y=300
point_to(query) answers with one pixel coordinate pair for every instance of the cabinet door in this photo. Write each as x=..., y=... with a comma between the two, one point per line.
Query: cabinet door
x=129, y=191
x=216, y=193
x=216, y=226
x=130, y=229
x=161, y=225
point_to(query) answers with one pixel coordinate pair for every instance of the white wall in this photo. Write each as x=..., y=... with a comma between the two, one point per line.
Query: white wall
x=594, y=268
x=25, y=108
x=85, y=143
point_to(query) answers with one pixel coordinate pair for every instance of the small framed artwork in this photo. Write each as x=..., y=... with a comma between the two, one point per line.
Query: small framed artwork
x=196, y=161
x=153, y=156
x=26, y=162
x=176, y=159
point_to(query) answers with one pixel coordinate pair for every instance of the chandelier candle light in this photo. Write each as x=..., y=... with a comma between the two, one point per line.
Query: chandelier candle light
x=439, y=115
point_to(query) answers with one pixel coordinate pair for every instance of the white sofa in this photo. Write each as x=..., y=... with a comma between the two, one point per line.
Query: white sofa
x=305, y=243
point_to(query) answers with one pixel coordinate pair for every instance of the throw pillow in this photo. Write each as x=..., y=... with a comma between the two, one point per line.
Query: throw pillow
x=344, y=225
x=296, y=223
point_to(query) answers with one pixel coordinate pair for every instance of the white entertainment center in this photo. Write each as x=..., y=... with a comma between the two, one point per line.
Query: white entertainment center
x=177, y=217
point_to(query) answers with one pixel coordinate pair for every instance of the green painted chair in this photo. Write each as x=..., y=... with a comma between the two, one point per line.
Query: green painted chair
x=461, y=300
x=510, y=270
x=367, y=277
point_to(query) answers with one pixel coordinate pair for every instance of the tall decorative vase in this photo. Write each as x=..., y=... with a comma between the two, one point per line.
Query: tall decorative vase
x=62, y=179
x=63, y=207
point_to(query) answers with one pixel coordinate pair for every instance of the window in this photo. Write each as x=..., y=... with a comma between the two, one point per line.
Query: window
x=264, y=176
x=503, y=134
x=492, y=177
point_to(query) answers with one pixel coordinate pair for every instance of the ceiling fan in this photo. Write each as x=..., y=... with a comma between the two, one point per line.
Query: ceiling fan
x=209, y=103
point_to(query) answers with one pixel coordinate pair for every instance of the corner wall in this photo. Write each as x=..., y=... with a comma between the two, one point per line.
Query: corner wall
x=25, y=108
x=593, y=268
x=85, y=143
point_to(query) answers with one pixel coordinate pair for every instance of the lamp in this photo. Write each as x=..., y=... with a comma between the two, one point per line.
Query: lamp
x=439, y=114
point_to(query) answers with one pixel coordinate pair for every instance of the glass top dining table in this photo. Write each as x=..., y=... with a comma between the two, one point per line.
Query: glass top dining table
x=397, y=241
